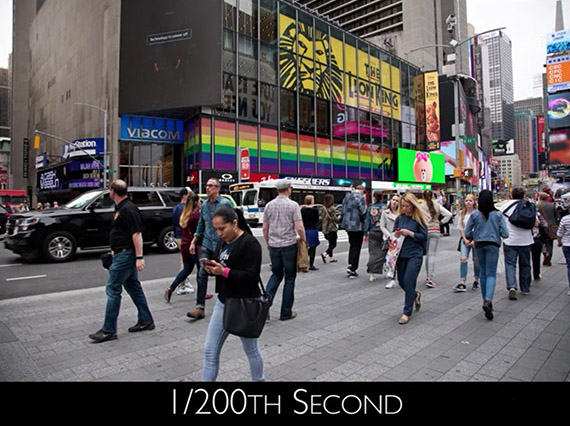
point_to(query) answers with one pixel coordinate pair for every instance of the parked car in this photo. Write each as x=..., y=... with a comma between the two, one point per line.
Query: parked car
x=85, y=223
x=4, y=213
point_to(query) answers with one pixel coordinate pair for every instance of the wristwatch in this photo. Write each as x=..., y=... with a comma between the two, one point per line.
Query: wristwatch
x=140, y=258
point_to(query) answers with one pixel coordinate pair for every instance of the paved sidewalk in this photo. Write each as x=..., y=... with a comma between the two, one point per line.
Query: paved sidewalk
x=346, y=330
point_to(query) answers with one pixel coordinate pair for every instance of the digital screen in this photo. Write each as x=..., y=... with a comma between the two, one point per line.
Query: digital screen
x=559, y=110
x=421, y=167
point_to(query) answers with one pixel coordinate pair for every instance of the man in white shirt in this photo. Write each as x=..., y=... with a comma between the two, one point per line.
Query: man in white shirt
x=517, y=246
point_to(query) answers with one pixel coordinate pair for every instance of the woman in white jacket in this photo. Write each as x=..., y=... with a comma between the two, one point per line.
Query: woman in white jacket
x=432, y=211
x=387, y=219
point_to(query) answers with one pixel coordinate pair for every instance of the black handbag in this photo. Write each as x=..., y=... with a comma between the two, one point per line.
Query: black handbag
x=246, y=316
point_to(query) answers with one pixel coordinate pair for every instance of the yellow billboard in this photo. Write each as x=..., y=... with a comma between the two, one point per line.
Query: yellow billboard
x=306, y=56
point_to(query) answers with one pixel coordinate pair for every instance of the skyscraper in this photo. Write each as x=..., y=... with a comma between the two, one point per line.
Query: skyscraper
x=501, y=96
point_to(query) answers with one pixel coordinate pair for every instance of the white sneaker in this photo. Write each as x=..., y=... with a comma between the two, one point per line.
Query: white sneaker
x=371, y=278
x=391, y=284
x=185, y=289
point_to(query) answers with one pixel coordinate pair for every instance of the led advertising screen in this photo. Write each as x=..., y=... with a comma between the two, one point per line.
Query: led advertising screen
x=419, y=166
x=559, y=110
x=559, y=147
x=558, y=41
x=503, y=147
x=170, y=55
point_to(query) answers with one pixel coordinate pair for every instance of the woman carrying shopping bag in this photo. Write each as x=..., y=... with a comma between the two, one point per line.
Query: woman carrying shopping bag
x=411, y=224
x=389, y=215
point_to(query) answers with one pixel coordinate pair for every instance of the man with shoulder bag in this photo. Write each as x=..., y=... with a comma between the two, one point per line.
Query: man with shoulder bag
x=521, y=218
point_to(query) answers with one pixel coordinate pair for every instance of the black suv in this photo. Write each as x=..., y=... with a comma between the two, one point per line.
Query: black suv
x=85, y=222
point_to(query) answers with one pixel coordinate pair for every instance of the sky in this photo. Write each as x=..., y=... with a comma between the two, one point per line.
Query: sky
x=527, y=22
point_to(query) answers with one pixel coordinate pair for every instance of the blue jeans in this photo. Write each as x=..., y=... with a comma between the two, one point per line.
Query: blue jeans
x=523, y=255
x=431, y=250
x=283, y=265
x=215, y=339
x=463, y=266
x=408, y=270
x=566, y=251
x=123, y=273
x=186, y=271
x=488, y=257
x=203, y=279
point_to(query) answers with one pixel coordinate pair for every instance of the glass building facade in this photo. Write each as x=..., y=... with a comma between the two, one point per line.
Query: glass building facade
x=304, y=97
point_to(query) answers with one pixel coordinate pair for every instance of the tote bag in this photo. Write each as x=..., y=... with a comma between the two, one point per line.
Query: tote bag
x=392, y=255
x=246, y=316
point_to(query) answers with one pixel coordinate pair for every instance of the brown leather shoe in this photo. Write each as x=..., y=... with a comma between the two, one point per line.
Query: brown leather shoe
x=418, y=300
x=197, y=313
x=285, y=318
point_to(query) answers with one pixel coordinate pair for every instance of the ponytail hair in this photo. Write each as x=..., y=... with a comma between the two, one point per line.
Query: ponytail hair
x=229, y=214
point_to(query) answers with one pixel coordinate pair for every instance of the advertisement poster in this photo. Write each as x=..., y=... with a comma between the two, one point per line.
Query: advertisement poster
x=431, y=88
x=559, y=110
x=421, y=167
x=558, y=73
x=540, y=130
x=558, y=41
x=329, y=68
x=503, y=147
x=559, y=147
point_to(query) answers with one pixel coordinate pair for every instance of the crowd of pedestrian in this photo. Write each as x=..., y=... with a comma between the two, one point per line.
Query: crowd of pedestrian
x=215, y=238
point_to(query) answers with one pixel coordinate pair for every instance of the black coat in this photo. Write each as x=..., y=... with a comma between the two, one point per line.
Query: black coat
x=245, y=268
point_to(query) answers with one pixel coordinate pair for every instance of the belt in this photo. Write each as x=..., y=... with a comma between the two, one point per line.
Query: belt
x=118, y=250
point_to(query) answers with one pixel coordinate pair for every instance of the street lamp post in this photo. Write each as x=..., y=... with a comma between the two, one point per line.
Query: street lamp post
x=454, y=76
x=106, y=117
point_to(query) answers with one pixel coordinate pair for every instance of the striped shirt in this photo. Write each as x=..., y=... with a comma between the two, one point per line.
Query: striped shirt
x=564, y=230
x=280, y=215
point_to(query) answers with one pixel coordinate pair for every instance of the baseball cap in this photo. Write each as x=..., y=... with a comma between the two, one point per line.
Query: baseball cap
x=283, y=184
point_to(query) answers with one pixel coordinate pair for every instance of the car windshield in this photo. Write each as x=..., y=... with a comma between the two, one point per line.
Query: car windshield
x=83, y=200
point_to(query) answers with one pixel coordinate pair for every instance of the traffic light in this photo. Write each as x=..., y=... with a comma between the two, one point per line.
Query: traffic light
x=468, y=172
x=37, y=141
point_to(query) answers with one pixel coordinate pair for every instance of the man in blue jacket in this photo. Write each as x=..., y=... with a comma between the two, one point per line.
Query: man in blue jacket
x=353, y=215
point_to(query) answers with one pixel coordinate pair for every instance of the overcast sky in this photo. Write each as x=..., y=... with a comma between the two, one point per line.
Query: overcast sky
x=527, y=22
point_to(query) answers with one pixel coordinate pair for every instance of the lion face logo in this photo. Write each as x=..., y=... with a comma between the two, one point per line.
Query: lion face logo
x=306, y=63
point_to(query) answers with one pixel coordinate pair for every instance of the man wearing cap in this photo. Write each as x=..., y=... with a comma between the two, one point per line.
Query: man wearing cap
x=353, y=215
x=282, y=222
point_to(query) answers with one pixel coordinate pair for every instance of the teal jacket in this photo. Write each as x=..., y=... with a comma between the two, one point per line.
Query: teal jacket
x=205, y=229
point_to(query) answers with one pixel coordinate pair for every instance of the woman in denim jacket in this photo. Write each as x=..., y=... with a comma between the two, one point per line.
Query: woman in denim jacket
x=486, y=227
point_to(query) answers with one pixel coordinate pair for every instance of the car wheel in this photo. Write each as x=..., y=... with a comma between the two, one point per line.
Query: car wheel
x=166, y=241
x=59, y=246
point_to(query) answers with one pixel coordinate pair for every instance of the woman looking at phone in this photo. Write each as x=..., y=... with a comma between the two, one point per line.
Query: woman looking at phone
x=236, y=266
x=412, y=224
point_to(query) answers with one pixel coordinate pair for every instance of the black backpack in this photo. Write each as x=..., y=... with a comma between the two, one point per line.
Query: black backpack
x=523, y=215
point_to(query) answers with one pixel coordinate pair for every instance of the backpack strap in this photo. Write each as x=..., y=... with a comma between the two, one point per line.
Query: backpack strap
x=510, y=207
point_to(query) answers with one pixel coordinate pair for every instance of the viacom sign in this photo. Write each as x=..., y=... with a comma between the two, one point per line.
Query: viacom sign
x=83, y=148
x=152, y=129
